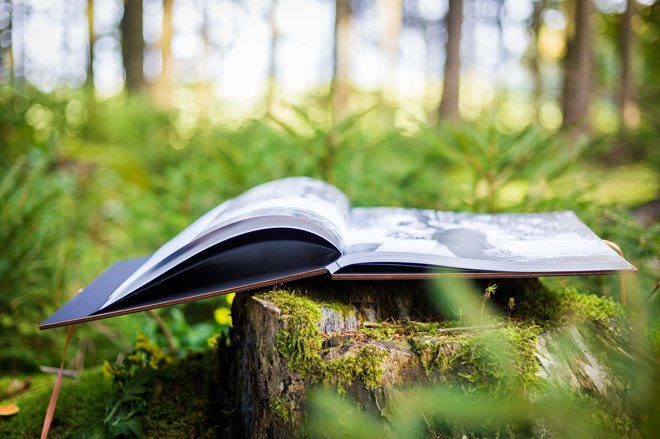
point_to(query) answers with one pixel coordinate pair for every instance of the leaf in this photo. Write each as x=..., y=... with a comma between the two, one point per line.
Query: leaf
x=9, y=409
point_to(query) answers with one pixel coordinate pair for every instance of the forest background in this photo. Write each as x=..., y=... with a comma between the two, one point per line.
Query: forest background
x=122, y=122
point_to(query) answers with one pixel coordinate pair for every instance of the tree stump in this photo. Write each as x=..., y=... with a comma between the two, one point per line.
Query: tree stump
x=367, y=339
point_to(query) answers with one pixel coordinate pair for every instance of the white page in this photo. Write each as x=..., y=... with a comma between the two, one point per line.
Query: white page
x=543, y=242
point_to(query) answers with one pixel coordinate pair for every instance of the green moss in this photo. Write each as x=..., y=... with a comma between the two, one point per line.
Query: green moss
x=488, y=359
x=279, y=409
x=81, y=404
x=299, y=340
x=387, y=331
x=36, y=382
x=182, y=401
x=366, y=364
x=436, y=355
x=301, y=343
x=379, y=331
x=560, y=306
x=592, y=307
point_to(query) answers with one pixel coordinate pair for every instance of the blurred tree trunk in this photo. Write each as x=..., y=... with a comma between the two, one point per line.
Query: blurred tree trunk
x=628, y=112
x=449, y=102
x=6, y=58
x=132, y=45
x=578, y=66
x=533, y=55
x=205, y=88
x=390, y=13
x=164, y=89
x=340, y=80
x=91, y=38
x=20, y=16
x=272, y=62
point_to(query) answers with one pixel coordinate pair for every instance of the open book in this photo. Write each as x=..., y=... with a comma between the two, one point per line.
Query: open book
x=300, y=227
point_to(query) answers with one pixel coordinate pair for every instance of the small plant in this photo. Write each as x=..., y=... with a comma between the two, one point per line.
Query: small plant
x=460, y=311
x=132, y=380
x=485, y=297
x=511, y=305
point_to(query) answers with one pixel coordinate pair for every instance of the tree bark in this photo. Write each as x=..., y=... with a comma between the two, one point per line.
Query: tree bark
x=132, y=45
x=578, y=66
x=340, y=79
x=628, y=112
x=448, y=108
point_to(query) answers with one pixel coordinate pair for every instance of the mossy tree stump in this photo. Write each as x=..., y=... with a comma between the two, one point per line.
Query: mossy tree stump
x=367, y=339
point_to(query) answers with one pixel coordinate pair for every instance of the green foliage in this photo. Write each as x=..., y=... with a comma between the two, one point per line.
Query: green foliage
x=31, y=261
x=132, y=380
x=86, y=182
x=438, y=411
x=187, y=334
x=502, y=171
x=155, y=395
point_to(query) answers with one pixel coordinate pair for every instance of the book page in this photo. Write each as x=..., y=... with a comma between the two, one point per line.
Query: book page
x=314, y=200
x=310, y=204
x=545, y=242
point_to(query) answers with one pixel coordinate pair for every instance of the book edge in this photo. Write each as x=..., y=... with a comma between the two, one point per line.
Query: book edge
x=131, y=310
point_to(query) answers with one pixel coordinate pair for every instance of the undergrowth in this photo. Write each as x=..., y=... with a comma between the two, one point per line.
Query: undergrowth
x=149, y=394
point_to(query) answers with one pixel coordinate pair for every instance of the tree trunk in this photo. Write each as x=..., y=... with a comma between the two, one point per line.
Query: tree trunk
x=340, y=80
x=628, y=112
x=20, y=16
x=6, y=58
x=91, y=39
x=369, y=339
x=166, y=77
x=578, y=66
x=449, y=102
x=162, y=90
x=390, y=14
x=132, y=45
x=534, y=62
x=272, y=62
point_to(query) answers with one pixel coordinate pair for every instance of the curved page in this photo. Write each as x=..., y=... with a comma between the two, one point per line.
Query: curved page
x=311, y=204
